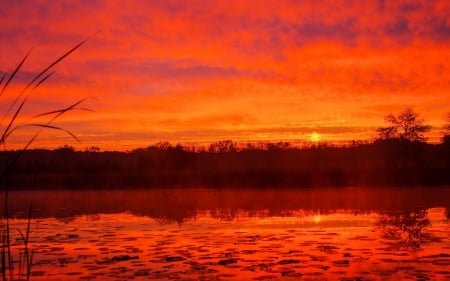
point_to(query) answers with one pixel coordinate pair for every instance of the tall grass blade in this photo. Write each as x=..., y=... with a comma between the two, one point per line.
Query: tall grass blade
x=58, y=60
x=43, y=80
x=3, y=78
x=57, y=114
x=56, y=128
x=11, y=122
x=25, y=260
x=7, y=240
x=29, y=223
x=48, y=125
x=18, y=155
x=30, y=263
x=14, y=73
x=37, y=77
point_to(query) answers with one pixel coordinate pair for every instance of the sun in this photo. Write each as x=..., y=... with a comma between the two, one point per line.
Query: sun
x=315, y=137
x=317, y=219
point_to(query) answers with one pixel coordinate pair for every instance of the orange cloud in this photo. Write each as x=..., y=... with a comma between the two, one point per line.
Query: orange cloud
x=191, y=70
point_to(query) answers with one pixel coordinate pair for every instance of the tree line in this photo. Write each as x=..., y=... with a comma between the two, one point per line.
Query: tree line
x=400, y=156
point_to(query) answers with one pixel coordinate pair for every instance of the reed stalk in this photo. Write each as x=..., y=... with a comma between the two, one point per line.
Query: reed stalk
x=8, y=126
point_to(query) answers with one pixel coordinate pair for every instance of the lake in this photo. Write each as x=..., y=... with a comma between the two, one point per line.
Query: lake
x=236, y=234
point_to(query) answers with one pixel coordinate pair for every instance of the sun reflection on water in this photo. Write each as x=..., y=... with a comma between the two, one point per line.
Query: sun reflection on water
x=317, y=219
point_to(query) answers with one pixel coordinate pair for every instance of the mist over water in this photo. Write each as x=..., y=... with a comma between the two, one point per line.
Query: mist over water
x=182, y=203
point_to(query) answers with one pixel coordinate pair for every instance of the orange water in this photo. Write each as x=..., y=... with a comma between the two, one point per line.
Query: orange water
x=242, y=245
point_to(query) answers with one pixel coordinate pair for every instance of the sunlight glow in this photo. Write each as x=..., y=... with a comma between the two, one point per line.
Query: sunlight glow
x=317, y=219
x=315, y=137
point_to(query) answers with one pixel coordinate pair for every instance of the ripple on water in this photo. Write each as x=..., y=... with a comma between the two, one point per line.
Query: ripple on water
x=193, y=253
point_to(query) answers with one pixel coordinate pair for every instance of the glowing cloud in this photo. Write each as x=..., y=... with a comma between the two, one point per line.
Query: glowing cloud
x=199, y=71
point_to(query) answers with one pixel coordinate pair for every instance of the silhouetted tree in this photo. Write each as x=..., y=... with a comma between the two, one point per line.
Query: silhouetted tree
x=278, y=146
x=65, y=149
x=405, y=230
x=163, y=145
x=222, y=146
x=92, y=149
x=406, y=125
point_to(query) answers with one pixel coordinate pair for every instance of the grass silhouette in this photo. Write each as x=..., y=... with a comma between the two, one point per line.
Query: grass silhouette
x=9, y=125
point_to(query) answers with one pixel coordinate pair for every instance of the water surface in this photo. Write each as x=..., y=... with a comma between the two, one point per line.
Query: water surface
x=204, y=234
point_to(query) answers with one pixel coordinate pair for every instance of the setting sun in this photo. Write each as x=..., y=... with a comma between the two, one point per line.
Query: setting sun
x=315, y=137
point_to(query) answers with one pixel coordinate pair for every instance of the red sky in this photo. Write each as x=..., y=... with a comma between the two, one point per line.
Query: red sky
x=200, y=71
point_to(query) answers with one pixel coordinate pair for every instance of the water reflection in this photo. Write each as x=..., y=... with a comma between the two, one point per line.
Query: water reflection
x=192, y=234
x=225, y=244
x=407, y=229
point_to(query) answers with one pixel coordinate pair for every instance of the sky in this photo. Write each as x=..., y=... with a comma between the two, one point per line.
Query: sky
x=195, y=72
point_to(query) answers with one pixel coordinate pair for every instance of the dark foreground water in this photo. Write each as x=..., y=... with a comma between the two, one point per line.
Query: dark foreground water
x=204, y=234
